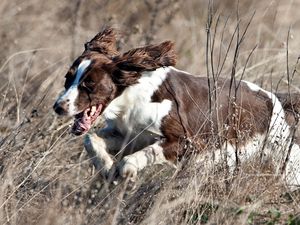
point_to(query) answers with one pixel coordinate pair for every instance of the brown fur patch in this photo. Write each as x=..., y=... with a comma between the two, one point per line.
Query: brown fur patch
x=235, y=120
x=291, y=105
x=104, y=42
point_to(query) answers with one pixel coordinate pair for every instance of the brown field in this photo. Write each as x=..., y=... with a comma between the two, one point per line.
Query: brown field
x=46, y=176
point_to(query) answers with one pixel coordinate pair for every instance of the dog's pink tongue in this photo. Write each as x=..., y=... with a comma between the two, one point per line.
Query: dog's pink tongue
x=84, y=121
x=82, y=124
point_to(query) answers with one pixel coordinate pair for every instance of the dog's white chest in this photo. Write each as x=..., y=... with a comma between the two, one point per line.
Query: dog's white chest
x=146, y=116
x=134, y=111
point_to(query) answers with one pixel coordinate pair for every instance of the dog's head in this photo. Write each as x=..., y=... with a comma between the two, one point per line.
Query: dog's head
x=101, y=74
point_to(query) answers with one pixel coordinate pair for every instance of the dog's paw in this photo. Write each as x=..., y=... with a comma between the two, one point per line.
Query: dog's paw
x=127, y=169
x=113, y=175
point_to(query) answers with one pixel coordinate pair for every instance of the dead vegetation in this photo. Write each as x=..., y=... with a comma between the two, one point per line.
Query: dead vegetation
x=46, y=177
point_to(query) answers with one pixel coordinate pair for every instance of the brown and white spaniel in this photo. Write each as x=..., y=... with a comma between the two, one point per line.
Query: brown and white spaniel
x=155, y=113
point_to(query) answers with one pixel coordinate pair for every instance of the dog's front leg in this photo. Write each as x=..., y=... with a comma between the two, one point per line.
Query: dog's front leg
x=130, y=165
x=98, y=147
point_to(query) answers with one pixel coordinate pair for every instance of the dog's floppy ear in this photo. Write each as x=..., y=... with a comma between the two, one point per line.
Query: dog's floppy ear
x=126, y=68
x=147, y=58
x=104, y=42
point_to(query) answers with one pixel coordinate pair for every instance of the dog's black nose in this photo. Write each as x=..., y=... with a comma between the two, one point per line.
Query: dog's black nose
x=59, y=109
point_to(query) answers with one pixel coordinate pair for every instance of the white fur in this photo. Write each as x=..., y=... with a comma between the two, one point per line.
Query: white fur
x=292, y=171
x=181, y=71
x=80, y=71
x=137, y=161
x=245, y=153
x=134, y=109
x=97, y=150
x=71, y=94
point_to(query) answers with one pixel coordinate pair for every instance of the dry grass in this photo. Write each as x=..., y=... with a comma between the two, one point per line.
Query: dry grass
x=46, y=177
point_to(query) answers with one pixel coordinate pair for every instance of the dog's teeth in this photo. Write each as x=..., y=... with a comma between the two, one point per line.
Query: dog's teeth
x=93, y=110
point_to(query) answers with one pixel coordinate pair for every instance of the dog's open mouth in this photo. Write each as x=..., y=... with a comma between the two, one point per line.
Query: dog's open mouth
x=84, y=120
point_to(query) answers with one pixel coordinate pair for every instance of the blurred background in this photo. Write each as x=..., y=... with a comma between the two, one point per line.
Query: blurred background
x=46, y=177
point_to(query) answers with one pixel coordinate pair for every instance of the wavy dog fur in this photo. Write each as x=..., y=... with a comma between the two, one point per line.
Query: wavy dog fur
x=154, y=110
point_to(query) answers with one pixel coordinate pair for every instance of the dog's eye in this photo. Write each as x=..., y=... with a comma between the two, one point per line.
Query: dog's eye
x=88, y=85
